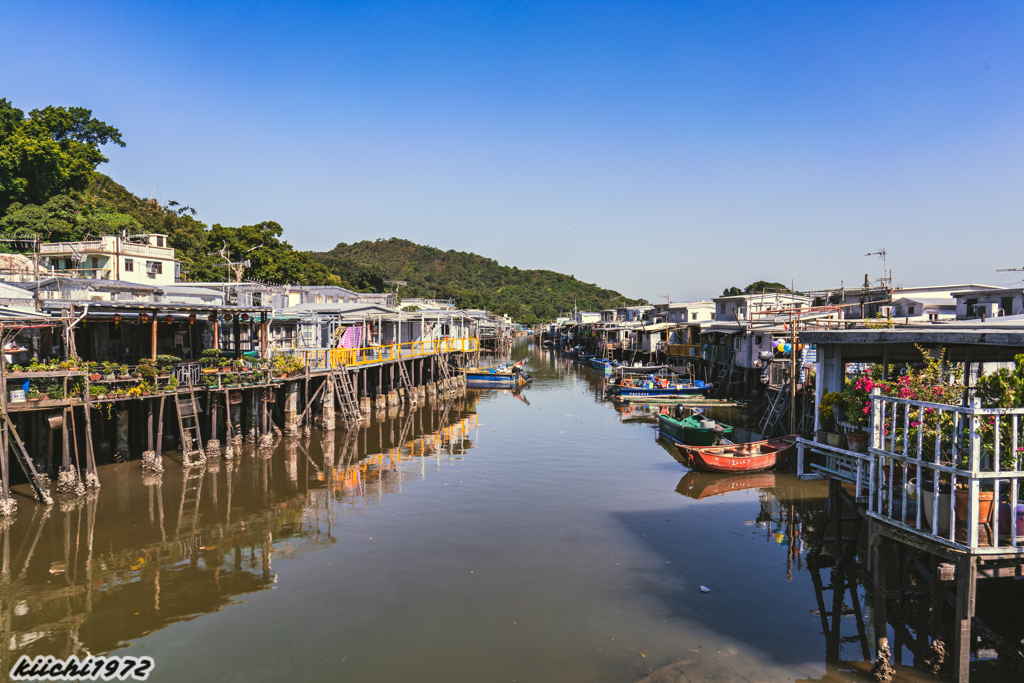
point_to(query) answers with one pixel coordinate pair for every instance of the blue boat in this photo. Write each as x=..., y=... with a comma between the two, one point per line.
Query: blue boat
x=503, y=376
x=603, y=364
x=657, y=387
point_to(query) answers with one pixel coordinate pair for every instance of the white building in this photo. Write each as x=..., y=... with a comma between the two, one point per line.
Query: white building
x=759, y=307
x=142, y=259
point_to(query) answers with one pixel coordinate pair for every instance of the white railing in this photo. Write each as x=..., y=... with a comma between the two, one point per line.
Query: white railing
x=929, y=463
x=147, y=250
x=70, y=247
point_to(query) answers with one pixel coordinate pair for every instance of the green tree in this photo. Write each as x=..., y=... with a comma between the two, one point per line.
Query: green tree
x=52, y=151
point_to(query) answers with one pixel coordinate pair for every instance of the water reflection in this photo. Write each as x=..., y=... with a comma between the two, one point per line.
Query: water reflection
x=91, y=574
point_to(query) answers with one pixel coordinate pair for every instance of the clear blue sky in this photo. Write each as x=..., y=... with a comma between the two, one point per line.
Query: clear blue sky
x=655, y=148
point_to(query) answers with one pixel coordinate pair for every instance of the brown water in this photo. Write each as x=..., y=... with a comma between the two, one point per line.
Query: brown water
x=539, y=536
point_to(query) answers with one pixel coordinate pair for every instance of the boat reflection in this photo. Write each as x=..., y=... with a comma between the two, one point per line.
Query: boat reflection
x=700, y=485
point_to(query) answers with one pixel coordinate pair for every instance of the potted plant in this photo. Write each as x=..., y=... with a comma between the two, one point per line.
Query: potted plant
x=231, y=380
x=32, y=394
x=134, y=392
x=212, y=383
x=14, y=367
x=97, y=391
x=172, y=385
x=164, y=362
x=55, y=391
x=109, y=370
x=831, y=405
x=123, y=372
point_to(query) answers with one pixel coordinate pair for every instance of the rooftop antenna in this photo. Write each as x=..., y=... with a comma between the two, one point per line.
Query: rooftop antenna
x=886, y=273
x=1007, y=270
x=396, y=283
x=236, y=267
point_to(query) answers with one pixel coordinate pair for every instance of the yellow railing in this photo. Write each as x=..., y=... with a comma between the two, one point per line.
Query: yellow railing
x=322, y=359
x=684, y=350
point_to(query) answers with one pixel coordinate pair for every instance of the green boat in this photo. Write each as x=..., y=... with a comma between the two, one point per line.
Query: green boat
x=693, y=430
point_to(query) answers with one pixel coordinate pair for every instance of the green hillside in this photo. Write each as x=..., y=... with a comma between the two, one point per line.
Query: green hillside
x=50, y=190
x=473, y=281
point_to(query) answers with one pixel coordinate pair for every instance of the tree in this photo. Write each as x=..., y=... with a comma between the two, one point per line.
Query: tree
x=53, y=151
x=732, y=291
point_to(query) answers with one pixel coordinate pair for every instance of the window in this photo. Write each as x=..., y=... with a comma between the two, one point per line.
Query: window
x=910, y=310
x=95, y=262
x=154, y=268
x=159, y=240
x=129, y=265
x=693, y=316
x=1006, y=303
x=758, y=340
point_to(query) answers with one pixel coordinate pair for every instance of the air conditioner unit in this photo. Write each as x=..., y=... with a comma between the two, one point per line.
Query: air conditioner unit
x=885, y=311
x=152, y=268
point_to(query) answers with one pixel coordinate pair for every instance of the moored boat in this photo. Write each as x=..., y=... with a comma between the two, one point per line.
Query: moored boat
x=693, y=430
x=503, y=376
x=740, y=457
x=656, y=386
x=603, y=364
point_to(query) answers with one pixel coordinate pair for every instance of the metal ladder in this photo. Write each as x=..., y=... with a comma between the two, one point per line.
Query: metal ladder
x=778, y=406
x=188, y=423
x=347, y=398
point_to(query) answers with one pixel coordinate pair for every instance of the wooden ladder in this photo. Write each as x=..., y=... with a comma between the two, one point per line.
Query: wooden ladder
x=347, y=399
x=442, y=364
x=403, y=377
x=25, y=460
x=188, y=423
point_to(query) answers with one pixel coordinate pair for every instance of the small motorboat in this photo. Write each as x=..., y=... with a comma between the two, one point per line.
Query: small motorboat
x=740, y=457
x=503, y=376
x=637, y=387
x=693, y=429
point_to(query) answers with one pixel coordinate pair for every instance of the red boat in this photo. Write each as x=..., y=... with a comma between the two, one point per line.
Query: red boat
x=740, y=457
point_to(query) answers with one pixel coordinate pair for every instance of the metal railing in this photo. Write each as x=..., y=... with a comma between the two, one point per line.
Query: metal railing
x=930, y=462
x=330, y=359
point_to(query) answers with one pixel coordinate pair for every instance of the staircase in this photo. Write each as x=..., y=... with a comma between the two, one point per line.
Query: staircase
x=188, y=424
x=346, y=393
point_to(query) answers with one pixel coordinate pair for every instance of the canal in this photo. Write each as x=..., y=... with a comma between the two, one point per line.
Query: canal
x=537, y=536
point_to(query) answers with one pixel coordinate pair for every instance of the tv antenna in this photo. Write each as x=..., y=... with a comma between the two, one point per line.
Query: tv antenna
x=1008, y=270
x=886, y=273
x=237, y=268
x=396, y=283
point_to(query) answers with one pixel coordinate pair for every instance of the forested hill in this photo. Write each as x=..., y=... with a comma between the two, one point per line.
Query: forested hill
x=50, y=190
x=472, y=281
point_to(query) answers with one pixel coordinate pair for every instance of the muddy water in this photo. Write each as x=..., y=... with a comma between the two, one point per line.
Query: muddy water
x=538, y=536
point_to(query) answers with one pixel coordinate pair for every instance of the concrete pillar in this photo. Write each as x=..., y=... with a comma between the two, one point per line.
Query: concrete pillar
x=380, y=402
x=365, y=406
x=393, y=398
x=327, y=420
x=291, y=408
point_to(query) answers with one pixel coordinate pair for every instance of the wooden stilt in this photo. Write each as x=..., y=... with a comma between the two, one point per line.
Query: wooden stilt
x=966, y=593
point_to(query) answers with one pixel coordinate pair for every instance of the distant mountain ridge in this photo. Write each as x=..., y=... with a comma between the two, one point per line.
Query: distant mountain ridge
x=473, y=281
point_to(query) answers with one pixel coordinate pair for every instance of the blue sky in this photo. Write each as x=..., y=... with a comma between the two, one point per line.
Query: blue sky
x=654, y=148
